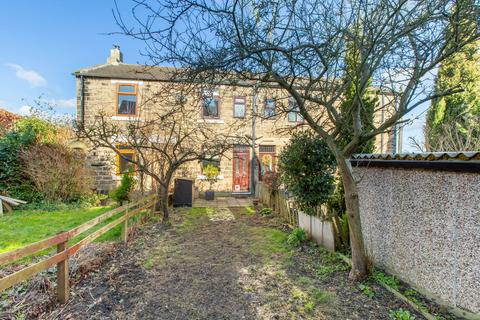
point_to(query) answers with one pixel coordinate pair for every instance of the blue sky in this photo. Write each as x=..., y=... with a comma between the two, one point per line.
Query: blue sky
x=43, y=42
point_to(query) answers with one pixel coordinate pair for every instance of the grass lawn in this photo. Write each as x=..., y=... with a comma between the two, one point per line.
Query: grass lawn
x=27, y=226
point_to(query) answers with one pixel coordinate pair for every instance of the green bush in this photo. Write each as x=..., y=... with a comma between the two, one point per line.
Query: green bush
x=12, y=180
x=401, y=314
x=27, y=132
x=297, y=237
x=122, y=193
x=265, y=211
x=307, y=167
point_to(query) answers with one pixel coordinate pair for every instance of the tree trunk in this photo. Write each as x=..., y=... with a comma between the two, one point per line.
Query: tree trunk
x=359, y=259
x=162, y=201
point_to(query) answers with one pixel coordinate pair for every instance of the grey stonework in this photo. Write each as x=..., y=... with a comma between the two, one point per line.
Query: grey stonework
x=424, y=226
x=100, y=163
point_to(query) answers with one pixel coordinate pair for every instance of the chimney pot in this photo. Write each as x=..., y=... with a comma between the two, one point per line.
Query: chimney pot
x=116, y=56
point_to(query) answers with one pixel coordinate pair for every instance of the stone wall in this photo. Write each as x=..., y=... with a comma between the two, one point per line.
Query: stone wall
x=100, y=95
x=424, y=226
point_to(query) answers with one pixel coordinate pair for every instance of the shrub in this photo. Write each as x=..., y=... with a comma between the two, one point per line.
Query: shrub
x=390, y=281
x=26, y=132
x=367, y=290
x=401, y=314
x=57, y=172
x=308, y=166
x=297, y=237
x=265, y=211
x=12, y=179
x=211, y=173
x=122, y=193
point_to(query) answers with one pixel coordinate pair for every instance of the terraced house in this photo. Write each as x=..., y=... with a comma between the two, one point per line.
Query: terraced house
x=123, y=91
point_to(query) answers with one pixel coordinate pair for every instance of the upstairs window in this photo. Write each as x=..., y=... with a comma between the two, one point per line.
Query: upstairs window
x=294, y=112
x=126, y=99
x=124, y=164
x=239, y=107
x=211, y=107
x=269, y=109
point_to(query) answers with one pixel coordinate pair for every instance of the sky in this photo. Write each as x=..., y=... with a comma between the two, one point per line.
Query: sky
x=44, y=42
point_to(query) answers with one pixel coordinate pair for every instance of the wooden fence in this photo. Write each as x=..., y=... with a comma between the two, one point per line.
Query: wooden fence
x=64, y=251
x=279, y=203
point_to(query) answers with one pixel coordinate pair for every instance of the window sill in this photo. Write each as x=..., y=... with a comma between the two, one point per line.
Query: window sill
x=204, y=178
x=211, y=120
x=126, y=118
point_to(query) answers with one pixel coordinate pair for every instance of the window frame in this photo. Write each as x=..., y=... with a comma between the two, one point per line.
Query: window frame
x=272, y=152
x=293, y=108
x=244, y=98
x=119, y=158
x=134, y=93
x=264, y=115
x=218, y=107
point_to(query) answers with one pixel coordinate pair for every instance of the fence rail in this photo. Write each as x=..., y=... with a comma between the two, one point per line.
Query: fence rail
x=279, y=203
x=64, y=251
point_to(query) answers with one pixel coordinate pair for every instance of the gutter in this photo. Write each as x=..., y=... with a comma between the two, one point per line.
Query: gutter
x=254, y=156
x=445, y=165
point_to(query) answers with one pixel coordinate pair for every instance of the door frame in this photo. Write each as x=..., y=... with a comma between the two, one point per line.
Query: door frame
x=243, y=151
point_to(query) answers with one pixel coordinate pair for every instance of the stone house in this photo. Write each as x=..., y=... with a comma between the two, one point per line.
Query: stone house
x=121, y=90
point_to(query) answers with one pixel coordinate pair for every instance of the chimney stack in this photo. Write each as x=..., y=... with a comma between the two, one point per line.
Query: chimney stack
x=116, y=56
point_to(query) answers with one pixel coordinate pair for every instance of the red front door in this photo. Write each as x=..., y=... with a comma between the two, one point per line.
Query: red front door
x=241, y=169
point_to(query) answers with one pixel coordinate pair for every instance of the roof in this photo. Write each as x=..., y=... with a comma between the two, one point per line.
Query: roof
x=426, y=156
x=466, y=161
x=159, y=73
x=127, y=71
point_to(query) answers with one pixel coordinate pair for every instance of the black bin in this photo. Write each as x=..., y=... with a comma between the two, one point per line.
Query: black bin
x=183, y=192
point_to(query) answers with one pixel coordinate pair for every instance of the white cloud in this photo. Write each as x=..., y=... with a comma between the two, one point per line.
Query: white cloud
x=66, y=103
x=60, y=103
x=25, y=110
x=32, y=77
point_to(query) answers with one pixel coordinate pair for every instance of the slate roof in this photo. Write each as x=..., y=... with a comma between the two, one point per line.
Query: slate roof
x=428, y=156
x=127, y=71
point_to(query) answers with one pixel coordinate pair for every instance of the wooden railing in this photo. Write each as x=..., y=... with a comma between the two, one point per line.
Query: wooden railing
x=279, y=203
x=64, y=251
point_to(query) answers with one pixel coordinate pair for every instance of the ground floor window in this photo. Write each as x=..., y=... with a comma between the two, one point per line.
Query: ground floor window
x=124, y=160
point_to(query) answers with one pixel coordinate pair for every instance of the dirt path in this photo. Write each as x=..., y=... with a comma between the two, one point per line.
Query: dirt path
x=222, y=264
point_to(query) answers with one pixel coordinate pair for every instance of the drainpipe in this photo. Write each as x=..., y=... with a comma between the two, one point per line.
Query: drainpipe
x=382, y=119
x=254, y=156
x=82, y=101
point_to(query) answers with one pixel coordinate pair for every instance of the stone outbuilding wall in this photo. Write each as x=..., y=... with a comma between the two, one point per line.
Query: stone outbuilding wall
x=421, y=222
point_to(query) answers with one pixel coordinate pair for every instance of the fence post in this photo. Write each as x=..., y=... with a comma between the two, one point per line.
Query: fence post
x=125, y=228
x=63, y=278
x=153, y=206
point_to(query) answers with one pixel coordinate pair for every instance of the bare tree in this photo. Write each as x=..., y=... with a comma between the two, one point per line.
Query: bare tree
x=300, y=46
x=167, y=135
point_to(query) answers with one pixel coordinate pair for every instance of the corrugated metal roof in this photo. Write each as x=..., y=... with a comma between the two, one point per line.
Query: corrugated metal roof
x=426, y=156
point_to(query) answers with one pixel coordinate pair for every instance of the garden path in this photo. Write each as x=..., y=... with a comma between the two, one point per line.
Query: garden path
x=222, y=263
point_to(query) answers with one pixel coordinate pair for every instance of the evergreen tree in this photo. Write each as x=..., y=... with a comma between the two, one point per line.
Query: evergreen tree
x=353, y=59
x=459, y=111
